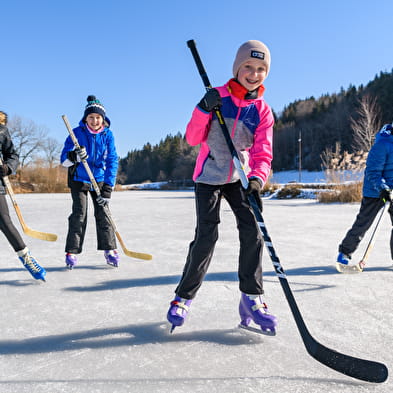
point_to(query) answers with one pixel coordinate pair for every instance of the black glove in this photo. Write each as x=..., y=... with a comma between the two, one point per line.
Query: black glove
x=386, y=195
x=82, y=153
x=254, y=188
x=72, y=156
x=210, y=100
x=102, y=201
x=106, y=191
x=4, y=170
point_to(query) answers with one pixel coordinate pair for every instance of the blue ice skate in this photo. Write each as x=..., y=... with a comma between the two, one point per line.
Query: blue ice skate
x=31, y=264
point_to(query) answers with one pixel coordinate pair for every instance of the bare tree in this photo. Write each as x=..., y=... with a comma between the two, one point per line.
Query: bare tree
x=51, y=149
x=366, y=125
x=28, y=139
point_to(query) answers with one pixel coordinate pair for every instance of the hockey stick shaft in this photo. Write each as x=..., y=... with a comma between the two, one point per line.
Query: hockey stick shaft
x=354, y=367
x=51, y=237
x=371, y=242
x=129, y=253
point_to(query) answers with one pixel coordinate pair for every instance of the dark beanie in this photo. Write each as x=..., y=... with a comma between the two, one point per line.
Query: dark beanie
x=93, y=106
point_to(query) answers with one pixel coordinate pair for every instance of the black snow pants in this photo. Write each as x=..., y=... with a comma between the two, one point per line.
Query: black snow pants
x=8, y=228
x=208, y=201
x=77, y=222
x=369, y=209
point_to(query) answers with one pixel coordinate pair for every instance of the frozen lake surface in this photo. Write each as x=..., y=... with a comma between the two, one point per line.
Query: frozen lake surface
x=100, y=329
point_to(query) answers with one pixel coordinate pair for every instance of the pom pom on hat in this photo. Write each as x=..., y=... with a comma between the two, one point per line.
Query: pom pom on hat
x=252, y=49
x=93, y=106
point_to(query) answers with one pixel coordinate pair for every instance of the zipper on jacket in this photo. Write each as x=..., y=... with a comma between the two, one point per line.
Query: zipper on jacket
x=232, y=135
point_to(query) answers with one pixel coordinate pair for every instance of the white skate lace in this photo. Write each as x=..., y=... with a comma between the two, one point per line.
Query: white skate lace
x=180, y=306
x=260, y=306
x=30, y=263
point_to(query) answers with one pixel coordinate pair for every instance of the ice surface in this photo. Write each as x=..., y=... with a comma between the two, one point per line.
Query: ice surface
x=101, y=329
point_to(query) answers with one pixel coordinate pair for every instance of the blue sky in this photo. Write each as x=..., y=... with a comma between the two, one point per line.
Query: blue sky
x=133, y=56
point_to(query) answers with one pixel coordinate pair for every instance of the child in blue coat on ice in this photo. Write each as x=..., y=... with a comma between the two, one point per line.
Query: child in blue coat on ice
x=97, y=147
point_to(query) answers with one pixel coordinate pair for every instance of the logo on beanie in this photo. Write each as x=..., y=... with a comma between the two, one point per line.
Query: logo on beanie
x=258, y=55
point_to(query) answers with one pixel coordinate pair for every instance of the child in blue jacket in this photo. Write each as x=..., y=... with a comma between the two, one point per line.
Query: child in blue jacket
x=377, y=190
x=97, y=146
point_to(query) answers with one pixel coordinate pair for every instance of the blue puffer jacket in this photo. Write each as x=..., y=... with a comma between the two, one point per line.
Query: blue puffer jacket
x=102, y=160
x=379, y=167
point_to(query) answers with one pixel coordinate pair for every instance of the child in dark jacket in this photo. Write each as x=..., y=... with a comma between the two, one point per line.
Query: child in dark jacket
x=8, y=164
x=97, y=147
x=250, y=122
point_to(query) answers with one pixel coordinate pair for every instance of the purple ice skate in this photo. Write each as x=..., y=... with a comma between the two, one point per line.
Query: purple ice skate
x=178, y=311
x=256, y=310
x=112, y=257
x=70, y=260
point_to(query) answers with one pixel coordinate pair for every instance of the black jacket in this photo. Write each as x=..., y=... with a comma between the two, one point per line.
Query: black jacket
x=8, y=153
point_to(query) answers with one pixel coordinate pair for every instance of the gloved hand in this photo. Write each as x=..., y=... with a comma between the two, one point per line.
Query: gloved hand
x=4, y=170
x=210, y=100
x=386, y=195
x=102, y=201
x=106, y=191
x=255, y=188
x=81, y=152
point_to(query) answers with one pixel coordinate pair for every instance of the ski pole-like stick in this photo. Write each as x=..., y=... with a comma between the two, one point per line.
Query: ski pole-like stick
x=129, y=253
x=365, y=370
x=359, y=267
x=51, y=237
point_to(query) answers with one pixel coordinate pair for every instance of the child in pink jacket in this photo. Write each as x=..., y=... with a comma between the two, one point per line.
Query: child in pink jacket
x=250, y=122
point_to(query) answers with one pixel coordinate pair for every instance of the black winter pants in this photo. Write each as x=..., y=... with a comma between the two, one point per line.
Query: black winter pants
x=208, y=201
x=77, y=222
x=369, y=209
x=8, y=228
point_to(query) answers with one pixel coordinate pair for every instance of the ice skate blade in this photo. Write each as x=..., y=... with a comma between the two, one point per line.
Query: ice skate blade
x=349, y=269
x=256, y=330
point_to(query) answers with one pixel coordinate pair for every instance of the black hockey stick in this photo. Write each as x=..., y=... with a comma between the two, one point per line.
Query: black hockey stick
x=365, y=370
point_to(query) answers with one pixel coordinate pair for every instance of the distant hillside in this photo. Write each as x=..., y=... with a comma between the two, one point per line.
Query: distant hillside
x=325, y=121
x=322, y=122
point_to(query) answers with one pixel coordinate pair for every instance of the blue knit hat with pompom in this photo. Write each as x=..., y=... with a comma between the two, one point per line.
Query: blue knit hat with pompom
x=93, y=106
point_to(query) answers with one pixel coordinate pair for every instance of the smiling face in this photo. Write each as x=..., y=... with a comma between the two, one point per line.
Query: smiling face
x=94, y=121
x=251, y=74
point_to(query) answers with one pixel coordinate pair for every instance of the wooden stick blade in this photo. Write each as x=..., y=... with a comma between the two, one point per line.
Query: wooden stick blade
x=132, y=254
x=50, y=237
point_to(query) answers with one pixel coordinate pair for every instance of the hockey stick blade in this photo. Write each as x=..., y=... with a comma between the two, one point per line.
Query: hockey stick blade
x=132, y=254
x=50, y=237
x=350, y=269
x=365, y=370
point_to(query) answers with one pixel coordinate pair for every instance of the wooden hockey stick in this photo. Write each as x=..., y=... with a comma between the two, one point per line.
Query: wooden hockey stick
x=129, y=253
x=51, y=237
